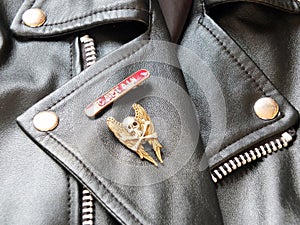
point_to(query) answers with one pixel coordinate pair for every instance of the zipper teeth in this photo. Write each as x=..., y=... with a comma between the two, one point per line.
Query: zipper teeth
x=89, y=50
x=87, y=203
x=87, y=208
x=251, y=155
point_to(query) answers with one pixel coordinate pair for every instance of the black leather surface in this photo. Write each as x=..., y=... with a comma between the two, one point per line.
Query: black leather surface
x=231, y=54
x=89, y=149
x=31, y=184
x=85, y=147
x=241, y=85
x=266, y=192
x=290, y=6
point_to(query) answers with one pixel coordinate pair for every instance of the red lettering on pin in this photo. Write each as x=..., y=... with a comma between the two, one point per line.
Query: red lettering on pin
x=116, y=92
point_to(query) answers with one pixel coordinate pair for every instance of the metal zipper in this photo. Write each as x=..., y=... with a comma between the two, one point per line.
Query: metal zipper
x=268, y=147
x=87, y=208
x=88, y=51
x=87, y=202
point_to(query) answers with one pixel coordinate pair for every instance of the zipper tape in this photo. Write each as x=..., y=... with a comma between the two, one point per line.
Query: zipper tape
x=251, y=155
x=87, y=201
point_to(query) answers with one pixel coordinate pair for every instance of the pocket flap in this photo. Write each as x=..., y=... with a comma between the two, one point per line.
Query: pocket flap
x=74, y=15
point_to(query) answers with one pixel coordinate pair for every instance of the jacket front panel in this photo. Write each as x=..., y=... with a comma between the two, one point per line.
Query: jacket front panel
x=200, y=96
x=81, y=151
x=270, y=37
x=264, y=191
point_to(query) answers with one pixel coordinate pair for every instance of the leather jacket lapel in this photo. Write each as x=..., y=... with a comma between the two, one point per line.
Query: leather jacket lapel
x=242, y=83
x=133, y=191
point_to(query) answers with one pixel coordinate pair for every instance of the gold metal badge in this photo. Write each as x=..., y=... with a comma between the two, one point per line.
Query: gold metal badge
x=133, y=132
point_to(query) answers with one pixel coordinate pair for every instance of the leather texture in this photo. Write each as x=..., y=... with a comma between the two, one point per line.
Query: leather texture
x=84, y=147
x=251, y=84
x=290, y=6
x=269, y=35
x=200, y=96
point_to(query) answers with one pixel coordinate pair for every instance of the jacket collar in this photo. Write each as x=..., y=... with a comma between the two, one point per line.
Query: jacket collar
x=292, y=6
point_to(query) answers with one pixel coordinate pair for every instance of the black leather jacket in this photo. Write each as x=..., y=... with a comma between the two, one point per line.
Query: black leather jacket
x=223, y=162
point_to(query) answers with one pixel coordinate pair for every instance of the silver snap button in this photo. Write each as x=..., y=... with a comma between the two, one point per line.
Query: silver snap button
x=266, y=108
x=34, y=17
x=45, y=121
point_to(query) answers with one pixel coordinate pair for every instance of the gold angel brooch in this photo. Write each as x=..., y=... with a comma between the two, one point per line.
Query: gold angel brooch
x=133, y=132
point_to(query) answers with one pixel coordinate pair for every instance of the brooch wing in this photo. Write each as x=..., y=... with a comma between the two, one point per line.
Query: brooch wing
x=144, y=119
x=127, y=139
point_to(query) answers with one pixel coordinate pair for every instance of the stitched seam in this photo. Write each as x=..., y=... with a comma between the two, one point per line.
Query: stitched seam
x=86, y=168
x=228, y=52
x=266, y=125
x=203, y=11
x=231, y=143
x=277, y=5
x=94, y=76
x=93, y=13
x=79, y=160
x=113, y=64
x=76, y=89
x=69, y=199
x=71, y=59
x=248, y=74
